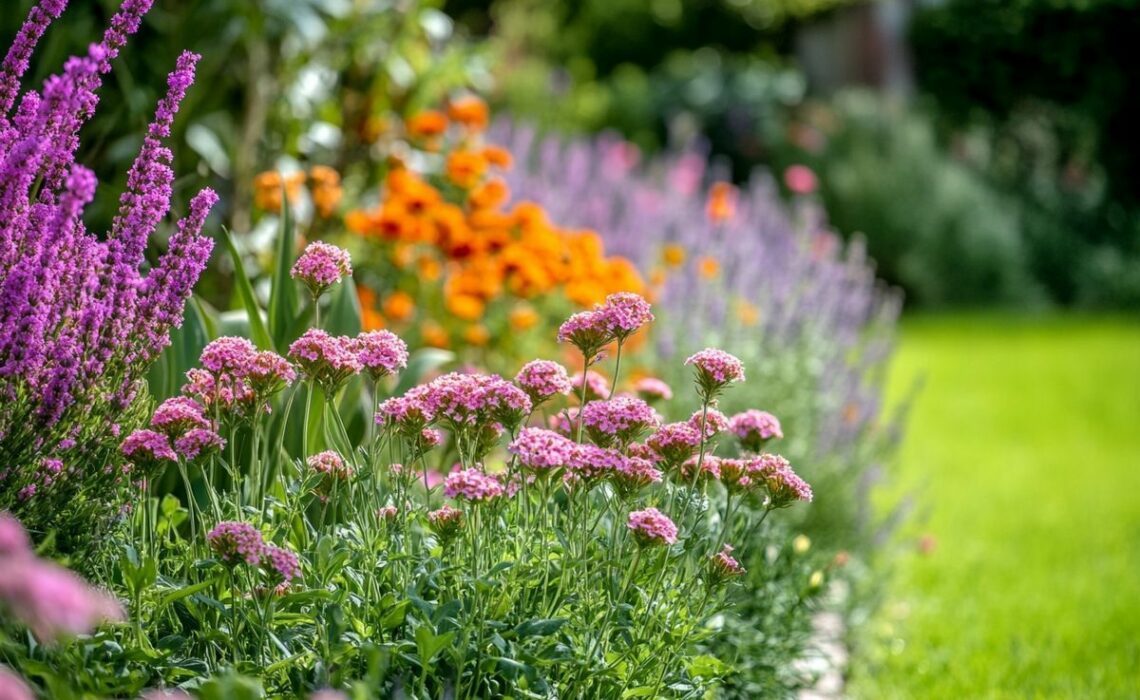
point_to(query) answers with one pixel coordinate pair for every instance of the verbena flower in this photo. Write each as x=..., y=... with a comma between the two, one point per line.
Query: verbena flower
x=326, y=360
x=321, y=266
x=199, y=443
x=709, y=469
x=147, y=449
x=622, y=419
x=651, y=527
x=652, y=389
x=754, y=429
x=543, y=380
x=542, y=450
x=13, y=539
x=285, y=565
x=597, y=386
x=588, y=331
x=380, y=353
x=634, y=474
x=724, y=566
x=712, y=420
x=565, y=422
x=12, y=687
x=472, y=485
x=236, y=542
x=228, y=355
x=624, y=313
x=736, y=474
x=472, y=400
x=447, y=522
x=675, y=442
x=406, y=413
x=330, y=464
x=177, y=415
x=591, y=463
x=715, y=369
x=784, y=486
x=269, y=373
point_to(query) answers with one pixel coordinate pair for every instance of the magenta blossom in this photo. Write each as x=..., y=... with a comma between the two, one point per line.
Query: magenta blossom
x=283, y=563
x=597, y=386
x=325, y=359
x=542, y=450
x=380, y=353
x=622, y=419
x=321, y=266
x=624, y=313
x=723, y=565
x=754, y=429
x=675, y=442
x=714, y=422
x=446, y=522
x=228, y=355
x=784, y=485
x=715, y=369
x=330, y=464
x=146, y=448
x=235, y=542
x=652, y=527
x=472, y=485
x=52, y=601
x=543, y=379
x=176, y=415
x=800, y=179
x=652, y=389
x=198, y=443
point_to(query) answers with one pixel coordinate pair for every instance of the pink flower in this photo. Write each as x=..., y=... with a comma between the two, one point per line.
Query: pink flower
x=52, y=601
x=269, y=373
x=472, y=400
x=543, y=379
x=325, y=359
x=591, y=463
x=283, y=563
x=407, y=413
x=652, y=389
x=176, y=415
x=715, y=369
x=634, y=474
x=542, y=450
x=235, y=542
x=381, y=353
x=586, y=330
x=228, y=355
x=387, y=514
x=12, y=687
x=652, y=527
x=597, y=386
x=800, y=179
x=755, y=428
x=675, y=442
x=472, y=485
x=13, y=539
x=710, y=469
x=784, y=485
x=330, y=464
x=623, y=418
x=723, y=565
x=565, y=422
x=624, y=313
x=714, y=422
x=735, y=474
x=328, y=694
x=146, y=448
x=321, y=266
x=446, y=522
x=198, y=443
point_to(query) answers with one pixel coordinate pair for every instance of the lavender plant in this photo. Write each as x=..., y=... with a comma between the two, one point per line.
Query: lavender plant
x=82, y=315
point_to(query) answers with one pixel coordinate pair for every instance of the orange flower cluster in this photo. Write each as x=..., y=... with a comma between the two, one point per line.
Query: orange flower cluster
x=459, y=225
x=324, y=189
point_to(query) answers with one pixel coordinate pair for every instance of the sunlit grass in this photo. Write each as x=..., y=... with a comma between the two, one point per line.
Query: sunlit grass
x=1023, y=455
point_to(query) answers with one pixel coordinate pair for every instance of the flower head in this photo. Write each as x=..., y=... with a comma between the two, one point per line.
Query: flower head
x=543, y=450
x=13, y=538
x=12, y=687
x=380, y=353
x=652, y=389
x=406, y=413
x=146, y=448
x=624, y=313
x=713, y=421
x=675, y=442
x=542, y=380
x=284, y=564
x=622, y=419
x=321, y=266
x=446, y=522
x=754, y=429
x=590, y=463
x=634, y=474
x=784, y=486
x=327, y=360
x=652, y=527
x=597, y=386
x=472, y=485
x=715, y=370
x=586, y=330
x=269, y=373
x=330, y=464
x=236, y=542
x=177, y=415
x=52, y=601
x=198, y=444
x=723, y=566
x=228, y=355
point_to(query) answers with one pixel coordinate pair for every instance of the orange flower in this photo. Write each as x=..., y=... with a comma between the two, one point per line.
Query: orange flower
x=523, y=318
x=326, y=190
x=465, y=306
x=748, y=313
x=477, y=335
x=434, y=335
x=267, y=189
x=427, y=124
x=371, y=320
x=722, y=202
x=465, y=168
x=708, y=267
x=399, y=306
x=470, y=111
x=498, y=157
x=428, y=268
x=490, y=195
x=673, y=254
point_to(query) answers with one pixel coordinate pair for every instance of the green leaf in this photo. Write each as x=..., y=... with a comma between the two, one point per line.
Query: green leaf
x=539, y=628
x=283, y=301
x=344, y=310
x=640, y=692
x=257, y=330
x=183, y=592
x=428, y=644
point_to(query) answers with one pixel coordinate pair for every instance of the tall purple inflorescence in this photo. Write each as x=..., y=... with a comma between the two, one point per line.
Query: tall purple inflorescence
x=81, y=316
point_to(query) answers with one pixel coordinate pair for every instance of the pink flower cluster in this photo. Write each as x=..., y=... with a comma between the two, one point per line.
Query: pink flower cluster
x=12, y=687
x=50, y=600
x=285, y=564
x=652, y=527
x=228, y=355
x=715, y=369
x=591, y=463
x=468, y=400
x=543, y=450
x=147, y=449
x=713, y=421
x=675, y=442
x=615, y=319
x=446, y=522
x=709, y=469
x=755, y=428
x=783, y=484
x=327, y=360
x=623, y=418
x=321, y=266
x=633, y=474
x=542, y=380
x=472, y=485
x=177, y=415
x=236, y=542
x=380, y=353
x=565, y=422
x=330, y=464
x=198, y=443
x=238, y=378
x=597, y=386
x=723, y=565
x=652, y=389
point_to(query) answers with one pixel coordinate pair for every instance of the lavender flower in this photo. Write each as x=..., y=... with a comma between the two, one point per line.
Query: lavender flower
x=542, y=380
x=327, y=360
x=198, y=444
x=236, y=542
x=380, y=353
x=321, y=266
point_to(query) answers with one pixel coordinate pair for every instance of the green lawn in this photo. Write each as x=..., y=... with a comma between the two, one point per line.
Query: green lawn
x=1023, y=456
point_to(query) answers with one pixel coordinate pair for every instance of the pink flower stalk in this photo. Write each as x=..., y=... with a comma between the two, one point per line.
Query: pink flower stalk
x=784, y=486
x=543, y=380
x=235, y=542
x=199, y=444
x=675, y=442
x=754, y=429
x=623, y=418
x=591, y=463
x=176, y=415
x=652, y=527
x=652, y=389
x=12, y=687
x=430, y=437
x=321, y=266
x=446, y=522
x=543, y=450
x=380, y=353
x=283, y=563
x=723, y=566
x=472, y=485
x=406, y=413
x=800, y=179
x=330, y=464
x=228, y=355
x=52, y=601
x=597, y=386
x=324, y=359
x=472, y=400
x=715, y=369
x=146, y=449
x=736, y=474
x=714, y=422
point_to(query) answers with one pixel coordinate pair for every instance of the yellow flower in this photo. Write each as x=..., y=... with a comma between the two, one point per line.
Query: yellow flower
x=801, y=544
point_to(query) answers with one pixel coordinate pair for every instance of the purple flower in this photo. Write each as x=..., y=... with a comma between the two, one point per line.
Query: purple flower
x=723, y=566
x=12, y=687
x=177, y=415
x=321, y=266
x=472, y=485
x=591, y=463
x=651, y=527
x=284, y=564
x=754, y=429
x=634, y=474
x=228, y=355
x=147, y=449
x=13, y=539
x=586, y=330
x=269, y=373
x=543, y=450
x=715, y=369
x=597, y=386
x=380, y=353
x=198, y=443
x=327, y=360
x=625, y=313
x=784, y=486
x=675, y=442
x=329, y=463
x=236, y=542
x=543, y=379
x=713, y=421
x=622, y=419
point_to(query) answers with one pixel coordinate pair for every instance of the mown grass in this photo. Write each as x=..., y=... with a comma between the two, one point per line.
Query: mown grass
x=1023, y=458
